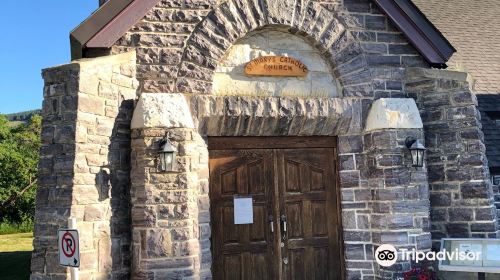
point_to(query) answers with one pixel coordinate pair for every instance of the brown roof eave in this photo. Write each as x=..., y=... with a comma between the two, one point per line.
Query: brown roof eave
x=116, y=17
x=82, y=34
x=423, y=35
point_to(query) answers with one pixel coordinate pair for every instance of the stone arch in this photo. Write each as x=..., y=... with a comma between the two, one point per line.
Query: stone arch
x=232, y=20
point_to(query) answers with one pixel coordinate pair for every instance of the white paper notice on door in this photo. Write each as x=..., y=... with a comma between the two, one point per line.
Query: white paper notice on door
x=243, y=210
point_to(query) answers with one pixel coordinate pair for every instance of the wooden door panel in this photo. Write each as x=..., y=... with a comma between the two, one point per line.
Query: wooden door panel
x=310, y=263
x=294, y=219
x=296, y=268
x=321, y=259
x=318, y=218
x=317, y=179
x=258, y=228
x=307, y=196
x=255, y=180
x=302, y=243
x=246, y=266
x=228, y=181
x=307, y=185
x=230, y=232
x=242, y=251
x=232, y=266
x=292, y=183
x=297, y=181
x=257, y=267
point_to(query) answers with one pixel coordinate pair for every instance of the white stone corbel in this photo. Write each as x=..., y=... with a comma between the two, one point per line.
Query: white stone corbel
x=393, y=113
x=162, y=110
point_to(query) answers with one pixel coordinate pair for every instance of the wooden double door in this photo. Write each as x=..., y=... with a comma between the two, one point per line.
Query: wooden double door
x=292, y=183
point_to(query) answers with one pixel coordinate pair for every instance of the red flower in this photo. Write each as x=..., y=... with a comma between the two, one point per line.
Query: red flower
x=420, y=273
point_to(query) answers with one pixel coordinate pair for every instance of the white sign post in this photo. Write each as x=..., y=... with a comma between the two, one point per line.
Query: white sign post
x=69, y=248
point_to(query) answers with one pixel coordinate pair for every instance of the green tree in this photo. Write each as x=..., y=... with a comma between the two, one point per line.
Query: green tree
x=19, y=147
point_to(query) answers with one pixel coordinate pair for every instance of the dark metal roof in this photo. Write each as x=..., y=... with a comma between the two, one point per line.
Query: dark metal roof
x=489, y=106
x=113, y=19
x=423, y=35
x=105, y=26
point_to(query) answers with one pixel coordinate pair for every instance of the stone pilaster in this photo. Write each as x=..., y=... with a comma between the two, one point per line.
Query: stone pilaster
x=397, y=193
x=170, y=210
x=356, y=210
x=55, y=170
x=400, y=196
x=84, y=167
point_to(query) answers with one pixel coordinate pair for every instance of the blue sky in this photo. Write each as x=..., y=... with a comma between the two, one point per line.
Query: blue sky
x=34, y=35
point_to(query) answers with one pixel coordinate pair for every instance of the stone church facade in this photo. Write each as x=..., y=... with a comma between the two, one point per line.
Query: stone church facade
x=143, y=70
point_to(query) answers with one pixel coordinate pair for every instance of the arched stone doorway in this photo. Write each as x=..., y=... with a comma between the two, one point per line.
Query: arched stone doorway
x=372, y=170
x=172, y=209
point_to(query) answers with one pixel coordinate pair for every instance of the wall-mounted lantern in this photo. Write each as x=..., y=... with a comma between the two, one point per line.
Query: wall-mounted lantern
x=167, y=155
x=417, y=150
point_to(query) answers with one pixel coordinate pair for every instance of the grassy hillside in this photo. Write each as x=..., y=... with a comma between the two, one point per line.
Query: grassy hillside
x=15, y=256
x=16, y=242
x=23, y=116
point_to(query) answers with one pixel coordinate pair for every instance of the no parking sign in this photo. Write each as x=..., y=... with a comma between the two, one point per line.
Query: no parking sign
x=69, y=247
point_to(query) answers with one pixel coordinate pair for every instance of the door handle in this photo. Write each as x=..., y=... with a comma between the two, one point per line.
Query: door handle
x=271, y=223
x=283, y=227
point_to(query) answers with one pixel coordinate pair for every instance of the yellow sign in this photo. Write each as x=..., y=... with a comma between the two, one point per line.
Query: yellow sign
x=281, y=66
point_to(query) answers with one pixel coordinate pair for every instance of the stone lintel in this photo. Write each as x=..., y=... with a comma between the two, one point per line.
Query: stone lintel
x=162, y=110
x=276, y=116
x=393, y=113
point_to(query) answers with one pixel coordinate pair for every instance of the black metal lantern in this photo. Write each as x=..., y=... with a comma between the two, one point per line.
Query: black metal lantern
x=417, y=150
x=167, y=155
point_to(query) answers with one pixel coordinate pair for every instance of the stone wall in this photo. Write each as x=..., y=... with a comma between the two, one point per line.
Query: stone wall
x=84, y=166
x=159, y=39
x=387, y=51
x=461, y=194
x=179, y=45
